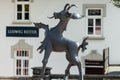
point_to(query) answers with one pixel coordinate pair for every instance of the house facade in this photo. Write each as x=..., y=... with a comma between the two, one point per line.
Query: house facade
x=19, y=38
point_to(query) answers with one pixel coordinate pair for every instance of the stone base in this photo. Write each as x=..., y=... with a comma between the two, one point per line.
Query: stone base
x=37, y=71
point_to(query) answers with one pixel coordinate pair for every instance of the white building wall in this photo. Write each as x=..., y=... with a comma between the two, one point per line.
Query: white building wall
x=40, y=10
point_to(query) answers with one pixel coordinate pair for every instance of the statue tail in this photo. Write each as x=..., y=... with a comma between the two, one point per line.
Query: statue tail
x=41, y=47
x=46, y=28
x=83, y=45
x=43, y=26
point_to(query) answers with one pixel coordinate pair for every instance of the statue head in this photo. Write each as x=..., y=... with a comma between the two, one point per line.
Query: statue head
x=65, y=14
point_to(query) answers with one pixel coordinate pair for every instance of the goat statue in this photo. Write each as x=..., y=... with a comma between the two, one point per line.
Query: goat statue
x=55, y=41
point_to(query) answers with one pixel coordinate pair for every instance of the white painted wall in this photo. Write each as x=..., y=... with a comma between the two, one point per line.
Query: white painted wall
x=40, y=10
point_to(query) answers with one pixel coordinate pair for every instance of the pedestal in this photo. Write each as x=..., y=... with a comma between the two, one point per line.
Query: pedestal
x=37, y=71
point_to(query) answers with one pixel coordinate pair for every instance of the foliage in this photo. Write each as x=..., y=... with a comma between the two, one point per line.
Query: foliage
x=116, y=3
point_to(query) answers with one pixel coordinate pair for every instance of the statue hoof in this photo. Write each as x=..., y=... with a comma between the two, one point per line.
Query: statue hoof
x=65, y=77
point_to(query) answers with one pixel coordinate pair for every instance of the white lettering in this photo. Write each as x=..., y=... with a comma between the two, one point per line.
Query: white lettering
x=15, y=31
x=30, y=32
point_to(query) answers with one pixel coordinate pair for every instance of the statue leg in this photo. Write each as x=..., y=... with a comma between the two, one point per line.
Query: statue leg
x=80, y=70
x=67, y=71
x=76, y=61
x=45, y=60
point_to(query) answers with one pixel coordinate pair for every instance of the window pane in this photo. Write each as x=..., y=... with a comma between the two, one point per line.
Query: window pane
x=18, y=53
x=19, y=16
x=26, y=7
x=94, y=12
x=18, y=64
x=90, y=22
x=98, y=22
x=26, y=63
x=18, y=71
x=90, y=30
x=22, y=53
x=25, y=71
x=26, y=16
x=98, y=30
x=26, y=53
x=19, y=7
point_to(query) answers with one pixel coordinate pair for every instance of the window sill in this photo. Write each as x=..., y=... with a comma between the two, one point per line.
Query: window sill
x=22, y=22
x=96, y=38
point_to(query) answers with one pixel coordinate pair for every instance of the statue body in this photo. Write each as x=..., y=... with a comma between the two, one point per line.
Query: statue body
x=55, y=41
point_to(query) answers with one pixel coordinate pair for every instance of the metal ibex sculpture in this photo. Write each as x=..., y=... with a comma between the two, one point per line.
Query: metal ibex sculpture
x=55, y=41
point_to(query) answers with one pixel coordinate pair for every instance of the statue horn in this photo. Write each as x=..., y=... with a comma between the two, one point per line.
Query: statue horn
x=71, y=6
x=66, y=6
x=51, y=17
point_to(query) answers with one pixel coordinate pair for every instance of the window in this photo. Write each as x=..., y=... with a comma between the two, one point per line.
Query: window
x=21, y=53
x=94, y=14
x=21, y=63
x=22, y=10
x=94, y=22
